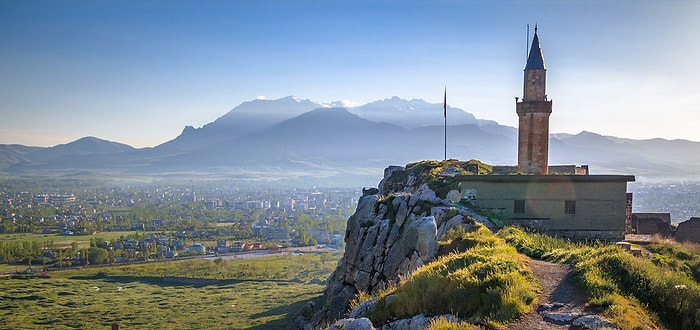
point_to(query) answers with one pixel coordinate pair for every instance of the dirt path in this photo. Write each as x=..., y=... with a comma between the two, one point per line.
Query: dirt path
x=557, y=289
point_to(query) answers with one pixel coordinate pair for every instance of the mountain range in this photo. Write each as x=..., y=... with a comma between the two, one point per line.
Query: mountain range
x=295, y=135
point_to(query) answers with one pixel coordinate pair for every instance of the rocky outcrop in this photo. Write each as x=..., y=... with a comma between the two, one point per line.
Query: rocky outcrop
x=385, y=241
x=393, y=232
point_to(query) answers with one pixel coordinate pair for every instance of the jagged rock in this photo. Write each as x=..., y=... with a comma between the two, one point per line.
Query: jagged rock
x=450, y=172
x=369, y=191
x=388, y=299
x=362, y=309
x=425, y=194
x=419, y=240
x=454, y=196
x=417, y=322
x=560, y=318
x=592, y=322
x=454, y=222
x=352, y=324
x=298, y=319
x=480, y=218
x=549, y=307
x=388, y=172
x=426, y=243
x=400, y=203
x=409, y=183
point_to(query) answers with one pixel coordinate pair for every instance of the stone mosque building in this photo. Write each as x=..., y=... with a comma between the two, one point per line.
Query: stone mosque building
x=558, y=200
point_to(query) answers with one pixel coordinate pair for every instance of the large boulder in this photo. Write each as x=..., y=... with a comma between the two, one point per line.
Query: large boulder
x=352, y=324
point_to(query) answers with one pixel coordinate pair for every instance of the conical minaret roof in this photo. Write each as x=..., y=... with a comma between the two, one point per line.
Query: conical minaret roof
x=535, y=60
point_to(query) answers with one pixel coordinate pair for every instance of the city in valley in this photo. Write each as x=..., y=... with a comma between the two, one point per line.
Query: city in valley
x=50, y=227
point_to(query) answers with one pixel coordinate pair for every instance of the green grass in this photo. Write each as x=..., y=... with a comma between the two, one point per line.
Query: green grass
x=252, y=293
x=64, y=241
x=488, y=283
x=683, y=257
x=444, y=324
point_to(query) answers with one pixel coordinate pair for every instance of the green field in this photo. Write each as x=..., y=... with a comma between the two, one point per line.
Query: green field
x=62, y=241
x=257, y=293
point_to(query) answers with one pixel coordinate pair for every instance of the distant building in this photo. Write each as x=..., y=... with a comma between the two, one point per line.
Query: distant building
x=260, y=231
x=277, y=233
x=238, y=247
x=198, y=248
x=62, y=199
x=40, y=199
x=156, y=223
x=320, y=235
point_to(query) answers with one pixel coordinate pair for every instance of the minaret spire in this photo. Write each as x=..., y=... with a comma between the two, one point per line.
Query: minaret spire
x=535, y=60
x=533, y=112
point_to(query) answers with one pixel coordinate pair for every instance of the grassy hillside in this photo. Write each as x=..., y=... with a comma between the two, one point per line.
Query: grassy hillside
x=634, y=292
x=483, y=278
x=479, y=278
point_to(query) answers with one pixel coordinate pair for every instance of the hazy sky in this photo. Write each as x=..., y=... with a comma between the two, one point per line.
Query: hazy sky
x=137, y=72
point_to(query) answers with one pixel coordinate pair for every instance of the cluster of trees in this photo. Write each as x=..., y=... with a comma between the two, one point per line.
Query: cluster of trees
x=41, y=252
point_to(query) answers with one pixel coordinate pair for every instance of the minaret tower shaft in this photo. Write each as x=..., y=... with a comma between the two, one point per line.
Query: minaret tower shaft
x=533, y=113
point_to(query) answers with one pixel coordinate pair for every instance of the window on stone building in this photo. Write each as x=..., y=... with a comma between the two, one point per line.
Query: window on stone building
x=569, y=207
x=519, y=206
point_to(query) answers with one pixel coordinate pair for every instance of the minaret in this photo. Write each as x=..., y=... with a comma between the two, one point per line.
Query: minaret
x=533, y=112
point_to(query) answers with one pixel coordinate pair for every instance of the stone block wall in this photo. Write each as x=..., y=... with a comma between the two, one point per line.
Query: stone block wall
x=688, y=231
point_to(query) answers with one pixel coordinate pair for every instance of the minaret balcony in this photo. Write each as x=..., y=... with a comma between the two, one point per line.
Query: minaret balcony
x=527, y=107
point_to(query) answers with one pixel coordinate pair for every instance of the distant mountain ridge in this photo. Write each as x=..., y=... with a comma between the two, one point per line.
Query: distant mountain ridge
x=291, y=134
x=244, y=119
x=414, y=113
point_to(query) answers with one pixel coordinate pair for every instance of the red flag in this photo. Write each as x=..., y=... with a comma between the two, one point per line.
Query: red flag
x=444, y=113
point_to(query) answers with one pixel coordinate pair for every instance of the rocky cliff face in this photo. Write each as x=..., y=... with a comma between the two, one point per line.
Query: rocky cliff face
x=394, y=230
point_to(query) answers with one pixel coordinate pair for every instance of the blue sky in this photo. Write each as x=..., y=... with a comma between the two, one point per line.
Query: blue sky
x=137, y=72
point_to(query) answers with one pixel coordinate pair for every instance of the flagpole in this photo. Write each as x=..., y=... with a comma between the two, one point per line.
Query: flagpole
x=444, y=114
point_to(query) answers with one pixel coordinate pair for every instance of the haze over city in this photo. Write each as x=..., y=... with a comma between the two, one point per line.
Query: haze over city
x=138, y=72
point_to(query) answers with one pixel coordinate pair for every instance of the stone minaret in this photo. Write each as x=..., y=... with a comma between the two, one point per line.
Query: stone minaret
x=533, y=111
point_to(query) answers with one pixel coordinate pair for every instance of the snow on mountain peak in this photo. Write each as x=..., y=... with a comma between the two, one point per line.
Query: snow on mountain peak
x=341, y=104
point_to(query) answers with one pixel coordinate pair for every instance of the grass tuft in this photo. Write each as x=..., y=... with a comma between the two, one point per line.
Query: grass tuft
x=442, y=323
